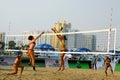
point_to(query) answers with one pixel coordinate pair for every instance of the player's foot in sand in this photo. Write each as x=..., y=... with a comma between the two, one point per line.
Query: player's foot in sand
x=59, y=69
x=63, y=68
x=34, y=68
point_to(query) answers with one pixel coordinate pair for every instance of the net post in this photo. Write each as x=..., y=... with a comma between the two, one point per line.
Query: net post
x=109, y=32
x=115, y=37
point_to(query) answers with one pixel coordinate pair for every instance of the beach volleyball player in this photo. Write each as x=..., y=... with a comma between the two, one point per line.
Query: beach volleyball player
x=108, y=65
x=62, y=47
x=17, y=64
x=31, y=49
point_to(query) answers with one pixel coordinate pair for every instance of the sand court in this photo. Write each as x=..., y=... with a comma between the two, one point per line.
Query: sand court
x=52, y=74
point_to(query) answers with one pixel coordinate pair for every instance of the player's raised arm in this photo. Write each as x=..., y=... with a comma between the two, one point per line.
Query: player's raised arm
x=39, y=35
x=58, y=35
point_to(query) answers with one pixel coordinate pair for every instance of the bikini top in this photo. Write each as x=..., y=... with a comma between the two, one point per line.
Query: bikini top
x=32, y=43
x=108, y=60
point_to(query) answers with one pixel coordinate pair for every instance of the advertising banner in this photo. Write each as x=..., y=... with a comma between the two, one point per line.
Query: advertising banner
x=55, y=62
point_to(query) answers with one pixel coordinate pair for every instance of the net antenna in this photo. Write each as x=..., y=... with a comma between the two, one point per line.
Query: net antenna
x=98, y=41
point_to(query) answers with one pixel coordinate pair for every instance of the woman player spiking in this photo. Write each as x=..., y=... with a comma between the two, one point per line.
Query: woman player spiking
x=31, y=49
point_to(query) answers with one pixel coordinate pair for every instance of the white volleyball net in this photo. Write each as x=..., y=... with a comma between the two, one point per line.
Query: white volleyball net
x=78, y=42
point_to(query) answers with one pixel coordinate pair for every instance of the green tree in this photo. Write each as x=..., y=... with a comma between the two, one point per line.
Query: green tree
x=11, y=45
x=25, y=47
x=3, y=45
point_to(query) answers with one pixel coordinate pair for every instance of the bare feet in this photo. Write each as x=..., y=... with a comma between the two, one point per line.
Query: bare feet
x=8, y=73
x=63, y=68
x=11, y=73
x=59, y=69
x=34, y=68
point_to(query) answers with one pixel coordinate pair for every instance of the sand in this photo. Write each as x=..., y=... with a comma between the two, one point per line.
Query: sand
x=43, y=73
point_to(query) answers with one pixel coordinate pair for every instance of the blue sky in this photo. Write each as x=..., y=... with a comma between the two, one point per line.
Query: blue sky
x=25, y=15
